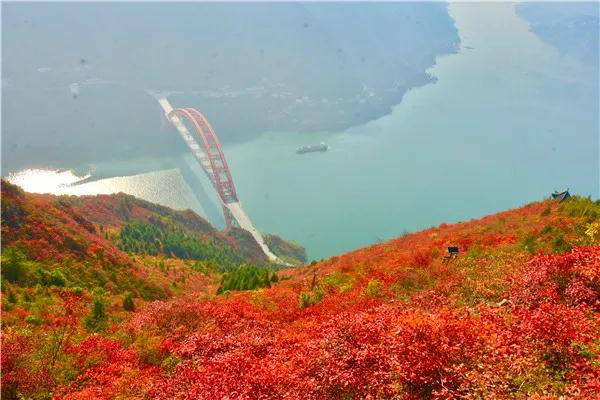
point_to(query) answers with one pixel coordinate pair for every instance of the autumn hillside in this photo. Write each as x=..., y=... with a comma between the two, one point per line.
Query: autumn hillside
x=109, y=239
x=515, y=315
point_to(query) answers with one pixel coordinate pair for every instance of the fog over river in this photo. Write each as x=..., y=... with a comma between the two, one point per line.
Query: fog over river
x=509, y=119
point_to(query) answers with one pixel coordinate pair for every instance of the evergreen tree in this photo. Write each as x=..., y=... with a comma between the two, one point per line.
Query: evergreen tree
x=12, y=270
x=128, y=303
x=96, y=321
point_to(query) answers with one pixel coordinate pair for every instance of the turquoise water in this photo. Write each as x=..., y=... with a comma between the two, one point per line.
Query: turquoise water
x=508, y=121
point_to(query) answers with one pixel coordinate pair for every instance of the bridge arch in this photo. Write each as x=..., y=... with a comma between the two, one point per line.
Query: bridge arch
x=211, y=157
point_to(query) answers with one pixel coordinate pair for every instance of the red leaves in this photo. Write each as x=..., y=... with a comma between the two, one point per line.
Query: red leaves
x=385, y=351
x=428, y=346
x=18, y=375
x=572, y=278
x=421, y=258
x=108, y=370
x=435, y=330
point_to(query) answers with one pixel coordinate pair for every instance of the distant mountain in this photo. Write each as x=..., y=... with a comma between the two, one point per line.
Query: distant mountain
x=75, y=75
x=572, y=27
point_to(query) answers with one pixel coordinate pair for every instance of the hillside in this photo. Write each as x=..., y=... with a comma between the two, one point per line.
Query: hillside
x=50, y=227
x=515, y=315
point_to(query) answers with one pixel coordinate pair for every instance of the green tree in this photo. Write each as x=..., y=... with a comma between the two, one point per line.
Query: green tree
x=11, y=297
x=12, y=270
x=96, y=320
x=128, y=303
x=246, y=277
x=57, y=279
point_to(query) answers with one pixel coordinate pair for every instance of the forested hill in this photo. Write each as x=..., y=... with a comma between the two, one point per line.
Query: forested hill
x=117, y=231
x=515, y=314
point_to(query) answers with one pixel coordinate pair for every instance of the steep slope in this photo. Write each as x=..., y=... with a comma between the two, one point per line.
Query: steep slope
x=515, y=315
x=51, y=227
x=116, y=211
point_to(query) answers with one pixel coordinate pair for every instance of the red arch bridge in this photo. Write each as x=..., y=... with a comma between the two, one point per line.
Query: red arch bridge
x=209, y=154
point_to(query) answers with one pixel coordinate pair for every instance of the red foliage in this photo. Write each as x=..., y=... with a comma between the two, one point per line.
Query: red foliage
x=108, y=370
x=395, y=322
x=572, y=278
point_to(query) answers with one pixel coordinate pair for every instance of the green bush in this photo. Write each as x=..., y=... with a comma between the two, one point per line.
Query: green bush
x=560, y=245
x=246, y=277
x=374, y=288
x=128, y=303
x=338, y=280
x=43, y=277
x=57, y=279
x=33, y=320
x=577, y=206
x=168, y=364
x=12, y=269
x=308, y=299
x=529, y=244
x=97, y=319
x=77, y=290
x=27, y=297
x=11, y=297
x=547, y=229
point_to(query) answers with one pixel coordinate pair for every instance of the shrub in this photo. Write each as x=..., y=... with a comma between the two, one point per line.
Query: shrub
x=421, y=258
x=593, y=232
x=96, y=321
x=560, y=245
x=338, y=279
x=56, y=278
x=12, y=269
x=148, y=349
x=11, y=297
x=77, y=290
x=43, y=277
x=168, y=365
x=529, y=244
x=27, y=297
x=374, y=288
x=33, y=320
x=128, y=303
x=313, y=297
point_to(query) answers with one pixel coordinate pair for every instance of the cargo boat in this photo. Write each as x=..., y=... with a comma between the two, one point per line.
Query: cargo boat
x=322, y=147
